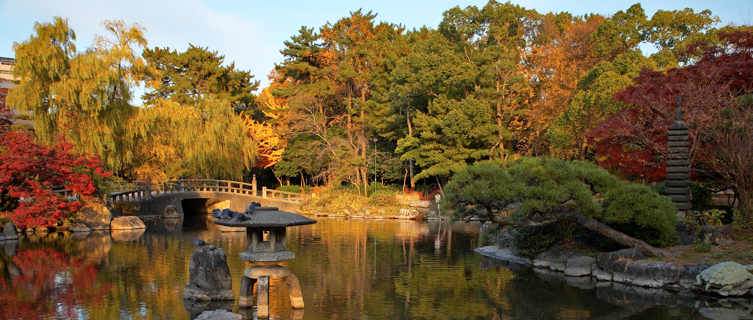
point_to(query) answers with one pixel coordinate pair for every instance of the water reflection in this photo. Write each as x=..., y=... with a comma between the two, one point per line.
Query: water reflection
x=348, y=269
x=50, y=279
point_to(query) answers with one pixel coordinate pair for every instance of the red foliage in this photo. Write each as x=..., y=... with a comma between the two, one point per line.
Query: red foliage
x=634, y=140
x=30, y=172
x=35, y=293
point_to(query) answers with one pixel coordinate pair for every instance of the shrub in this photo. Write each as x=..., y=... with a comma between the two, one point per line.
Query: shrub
x=534, y=239
x=641, y=212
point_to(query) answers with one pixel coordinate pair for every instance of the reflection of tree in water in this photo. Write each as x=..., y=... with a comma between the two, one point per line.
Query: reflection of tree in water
x=433, y=290
x=39, y=283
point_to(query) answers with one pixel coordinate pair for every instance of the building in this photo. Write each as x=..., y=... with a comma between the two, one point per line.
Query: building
x=6, y=72
x=7, y=82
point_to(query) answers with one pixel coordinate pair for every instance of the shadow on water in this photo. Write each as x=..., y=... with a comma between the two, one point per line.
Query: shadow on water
x=348, y=269
x=195, y=214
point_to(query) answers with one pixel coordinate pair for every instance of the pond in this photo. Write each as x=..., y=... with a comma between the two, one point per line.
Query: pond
x=348, y=269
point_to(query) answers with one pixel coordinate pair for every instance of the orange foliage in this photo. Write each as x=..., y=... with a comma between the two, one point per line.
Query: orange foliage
x=556, y=66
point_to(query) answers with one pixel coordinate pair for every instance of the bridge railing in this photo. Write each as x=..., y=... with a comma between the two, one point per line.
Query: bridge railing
x=285, y=195
x=141, y=190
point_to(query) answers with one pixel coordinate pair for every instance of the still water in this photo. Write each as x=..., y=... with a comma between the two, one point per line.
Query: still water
x=348, y=269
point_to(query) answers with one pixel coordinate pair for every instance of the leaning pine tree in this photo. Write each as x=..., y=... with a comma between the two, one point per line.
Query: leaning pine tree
x=536, y=190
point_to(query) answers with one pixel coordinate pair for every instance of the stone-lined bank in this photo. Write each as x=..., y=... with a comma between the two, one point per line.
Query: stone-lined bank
x=628, y=266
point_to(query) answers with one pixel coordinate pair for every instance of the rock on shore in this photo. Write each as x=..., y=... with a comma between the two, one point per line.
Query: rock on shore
x=726, y=278
x=629, y=266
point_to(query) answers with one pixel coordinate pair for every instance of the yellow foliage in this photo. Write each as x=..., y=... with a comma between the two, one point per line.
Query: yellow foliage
x=269, y=144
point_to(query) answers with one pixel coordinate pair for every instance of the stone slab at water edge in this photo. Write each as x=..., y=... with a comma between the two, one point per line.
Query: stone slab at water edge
x=629, y=266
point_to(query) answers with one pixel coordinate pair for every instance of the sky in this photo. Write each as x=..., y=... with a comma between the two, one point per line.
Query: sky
x=251, y=33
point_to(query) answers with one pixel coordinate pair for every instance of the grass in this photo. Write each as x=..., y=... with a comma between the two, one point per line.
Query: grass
x=347, y=201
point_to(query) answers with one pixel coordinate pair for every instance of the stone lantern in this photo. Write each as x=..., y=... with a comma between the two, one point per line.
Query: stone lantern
x=265, y=234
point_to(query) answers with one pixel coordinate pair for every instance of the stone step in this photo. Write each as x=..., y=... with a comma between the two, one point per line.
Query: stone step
x=677, y=138
x=676, y=183
x=678, y=132
x=677, y=150
x=683, y=206
x=678, y=169
x=678, y=156
x=678, y=191
x=684, y=162
x=678, y=198
x=677, y=176
x=672, y=144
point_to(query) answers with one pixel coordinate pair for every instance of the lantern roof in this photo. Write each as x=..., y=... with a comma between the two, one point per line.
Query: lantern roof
x=260, y=217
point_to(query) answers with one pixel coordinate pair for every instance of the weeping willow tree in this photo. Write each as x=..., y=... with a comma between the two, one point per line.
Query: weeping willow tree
x=172, y=140
x=80, y=97
x=84, y=98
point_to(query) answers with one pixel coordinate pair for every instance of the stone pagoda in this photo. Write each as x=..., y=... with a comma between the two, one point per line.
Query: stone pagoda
x=677, y=180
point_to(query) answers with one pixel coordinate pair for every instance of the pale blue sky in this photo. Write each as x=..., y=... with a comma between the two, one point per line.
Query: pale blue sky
x=251, y=33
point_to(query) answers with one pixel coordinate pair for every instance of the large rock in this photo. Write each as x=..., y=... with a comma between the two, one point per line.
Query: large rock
x=654, y=274
x=127, y=223
x=9, y=232
x=617, y=260
x=218, y=315
x=209, y=275
x=78, y=227
x=688, y=275
x=578, y=266
x=626, y=266
x=94, y=215
x=726, y=279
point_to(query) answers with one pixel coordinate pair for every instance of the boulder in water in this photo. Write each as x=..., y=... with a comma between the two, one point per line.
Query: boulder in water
x=209, y=275
x=94, y=215
x=9, y=232
x=127, y=223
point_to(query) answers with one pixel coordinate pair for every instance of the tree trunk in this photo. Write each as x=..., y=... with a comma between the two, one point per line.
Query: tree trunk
x=595, y=226
x=500, y=137
x=619, y=237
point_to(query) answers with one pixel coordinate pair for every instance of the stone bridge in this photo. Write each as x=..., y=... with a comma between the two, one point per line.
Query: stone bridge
x=201, y=195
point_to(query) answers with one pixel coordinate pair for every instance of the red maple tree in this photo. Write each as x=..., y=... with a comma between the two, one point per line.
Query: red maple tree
x=30, y=172
x=634, y=140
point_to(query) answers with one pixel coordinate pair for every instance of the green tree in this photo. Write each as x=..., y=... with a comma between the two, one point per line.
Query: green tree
x=188, y=77
x=545, y=189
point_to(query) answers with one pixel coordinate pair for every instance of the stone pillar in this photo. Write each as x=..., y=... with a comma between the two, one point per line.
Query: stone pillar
x=677, y=180
x=253, y=186
x=294, y=290
x=262, y=297
x=247, y=290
